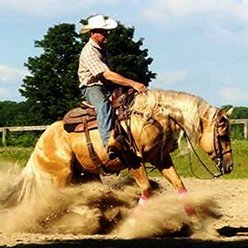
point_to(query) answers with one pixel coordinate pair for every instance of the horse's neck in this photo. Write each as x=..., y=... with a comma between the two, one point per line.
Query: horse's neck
x=201, y=120
x=188, y=110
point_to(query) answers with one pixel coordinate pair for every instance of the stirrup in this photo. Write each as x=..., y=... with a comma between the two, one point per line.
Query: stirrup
x=114, y=150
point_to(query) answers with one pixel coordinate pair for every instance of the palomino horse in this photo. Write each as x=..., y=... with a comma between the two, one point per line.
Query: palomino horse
x=156, y=119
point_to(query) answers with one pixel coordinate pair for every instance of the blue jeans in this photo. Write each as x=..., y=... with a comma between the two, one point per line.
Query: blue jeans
x=98, y=96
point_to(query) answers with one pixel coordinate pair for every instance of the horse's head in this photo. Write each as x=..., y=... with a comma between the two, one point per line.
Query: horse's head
x=215, y=140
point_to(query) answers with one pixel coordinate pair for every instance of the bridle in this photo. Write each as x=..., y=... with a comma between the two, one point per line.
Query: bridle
x=218, y=149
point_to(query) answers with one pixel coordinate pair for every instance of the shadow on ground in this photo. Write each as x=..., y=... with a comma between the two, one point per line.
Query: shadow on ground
x=228, y=231
x=144, y=243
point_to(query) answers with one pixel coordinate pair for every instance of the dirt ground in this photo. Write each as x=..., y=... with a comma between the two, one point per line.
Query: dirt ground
x=94, y=215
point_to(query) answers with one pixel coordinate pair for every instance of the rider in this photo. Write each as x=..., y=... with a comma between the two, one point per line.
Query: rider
x=97, y=79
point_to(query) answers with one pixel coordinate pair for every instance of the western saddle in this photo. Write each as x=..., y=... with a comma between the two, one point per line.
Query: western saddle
x=83, y=119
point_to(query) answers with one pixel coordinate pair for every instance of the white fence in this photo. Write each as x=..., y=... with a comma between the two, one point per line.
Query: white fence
x=241, y=122
x=5, y=130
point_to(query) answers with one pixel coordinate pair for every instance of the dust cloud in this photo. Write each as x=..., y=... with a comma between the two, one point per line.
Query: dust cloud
x=109, y=208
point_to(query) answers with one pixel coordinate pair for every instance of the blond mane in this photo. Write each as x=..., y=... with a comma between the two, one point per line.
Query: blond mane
x=185, y=108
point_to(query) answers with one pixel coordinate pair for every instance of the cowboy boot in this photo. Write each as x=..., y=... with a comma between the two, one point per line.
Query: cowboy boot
x=115, y=145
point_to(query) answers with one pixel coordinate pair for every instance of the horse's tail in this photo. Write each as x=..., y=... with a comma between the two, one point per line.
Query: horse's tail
x=23, y=188
x=10, y=194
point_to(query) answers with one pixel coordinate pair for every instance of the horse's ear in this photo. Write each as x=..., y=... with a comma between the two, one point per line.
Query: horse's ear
x=229, y=112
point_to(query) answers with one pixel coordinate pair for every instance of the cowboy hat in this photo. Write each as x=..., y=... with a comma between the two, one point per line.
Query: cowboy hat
x=99, y=22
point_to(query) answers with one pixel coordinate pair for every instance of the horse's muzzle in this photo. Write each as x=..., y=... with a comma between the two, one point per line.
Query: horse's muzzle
x=228, y=169
x=223, y=168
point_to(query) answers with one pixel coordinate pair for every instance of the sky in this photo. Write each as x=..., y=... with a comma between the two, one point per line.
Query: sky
x=197, y=46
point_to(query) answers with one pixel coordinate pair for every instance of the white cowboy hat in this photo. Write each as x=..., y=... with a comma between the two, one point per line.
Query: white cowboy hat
x=99, y=22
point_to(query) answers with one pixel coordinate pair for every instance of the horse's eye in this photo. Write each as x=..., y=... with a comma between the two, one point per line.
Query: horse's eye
x=223, y=119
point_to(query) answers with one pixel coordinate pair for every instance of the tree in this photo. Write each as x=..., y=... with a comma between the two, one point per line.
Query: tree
x=52, y=87
x=240, y=113
x=127, y=57
x=13, y=113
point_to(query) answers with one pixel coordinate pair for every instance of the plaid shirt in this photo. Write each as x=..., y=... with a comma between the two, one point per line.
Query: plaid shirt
x=92, y=63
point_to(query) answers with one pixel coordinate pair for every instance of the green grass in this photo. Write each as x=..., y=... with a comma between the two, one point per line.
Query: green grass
x=186, y=162
x=18, y=155
x=240, y=157
x=181, y=160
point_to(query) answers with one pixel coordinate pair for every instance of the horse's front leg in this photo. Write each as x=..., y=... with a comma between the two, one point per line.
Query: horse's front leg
x=140, y=175
x=168, y=170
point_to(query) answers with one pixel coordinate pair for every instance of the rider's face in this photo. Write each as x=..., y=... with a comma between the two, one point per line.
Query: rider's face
x=100, y=35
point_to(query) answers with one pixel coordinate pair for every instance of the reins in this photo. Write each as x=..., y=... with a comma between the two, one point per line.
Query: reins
x=194, y=150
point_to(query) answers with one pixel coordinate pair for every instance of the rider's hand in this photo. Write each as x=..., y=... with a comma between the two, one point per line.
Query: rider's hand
x=141, y=88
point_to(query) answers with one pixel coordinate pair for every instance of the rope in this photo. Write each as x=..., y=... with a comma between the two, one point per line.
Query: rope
x=192, y=147
x=192, y=171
